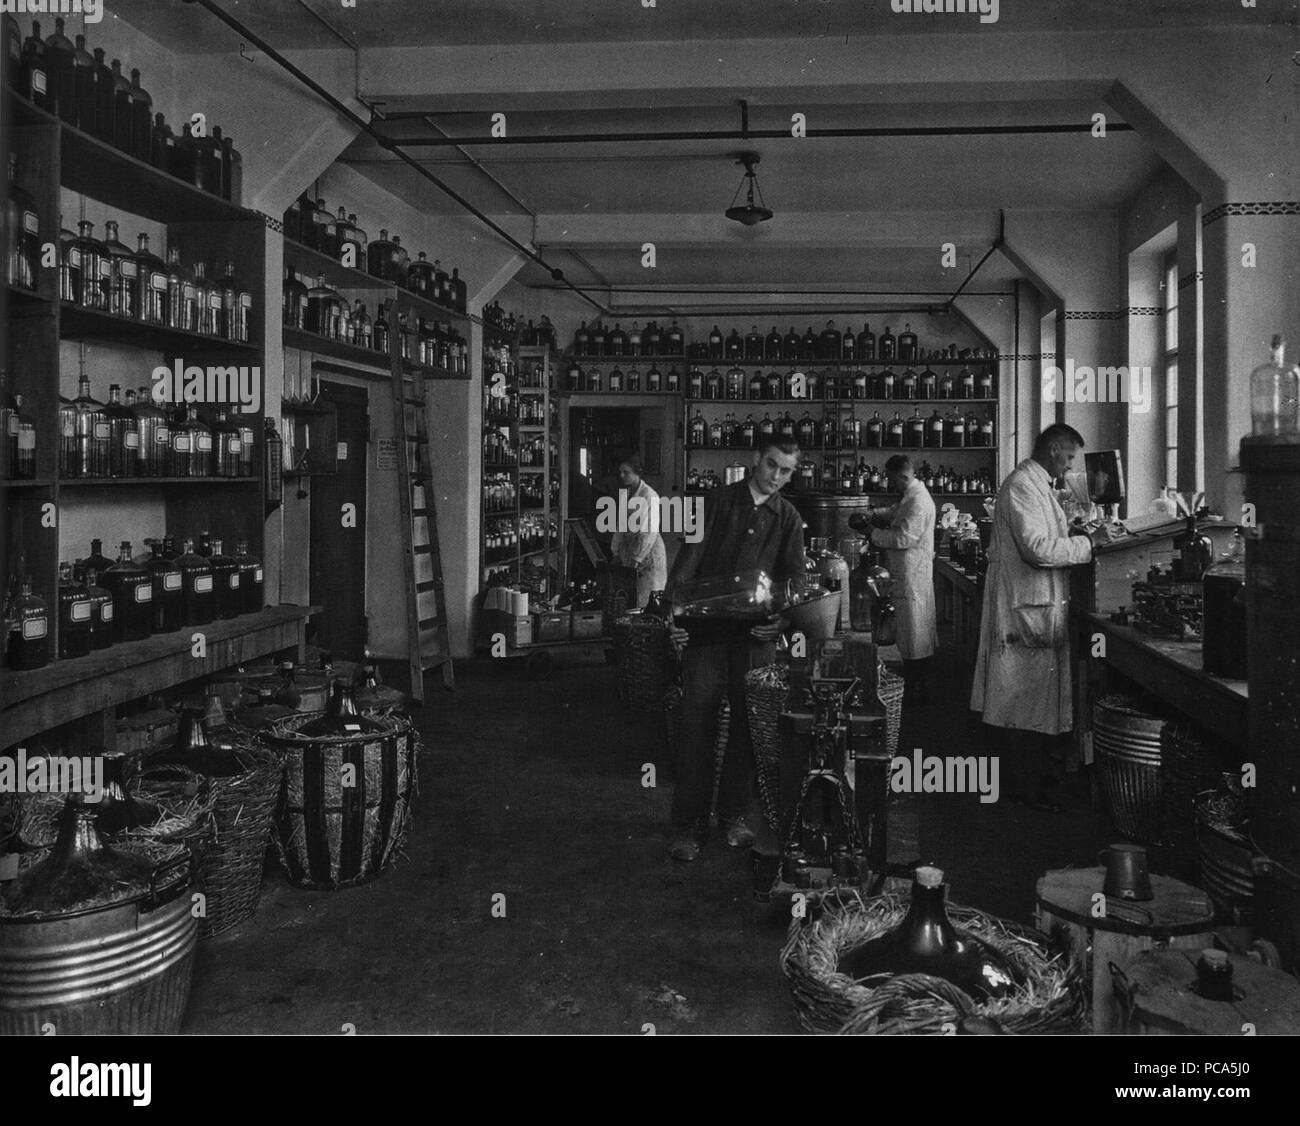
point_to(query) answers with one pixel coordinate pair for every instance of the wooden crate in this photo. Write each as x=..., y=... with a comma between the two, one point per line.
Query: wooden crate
x=587, y=624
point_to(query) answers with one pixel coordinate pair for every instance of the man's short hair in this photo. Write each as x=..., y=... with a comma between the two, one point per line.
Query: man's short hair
x=1057, y=432
x=899, y=463
x=785, y=445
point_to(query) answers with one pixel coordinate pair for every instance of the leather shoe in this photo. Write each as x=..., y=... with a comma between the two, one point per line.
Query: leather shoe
x=687, y=841
x=738, y=833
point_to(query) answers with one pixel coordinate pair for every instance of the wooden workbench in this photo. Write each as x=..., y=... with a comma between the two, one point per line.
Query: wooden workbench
x=91, y=687
x=958, y=601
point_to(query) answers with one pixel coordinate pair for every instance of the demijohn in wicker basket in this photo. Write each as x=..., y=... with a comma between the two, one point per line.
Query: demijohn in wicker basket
x=1051, y=1000
x=645, y=661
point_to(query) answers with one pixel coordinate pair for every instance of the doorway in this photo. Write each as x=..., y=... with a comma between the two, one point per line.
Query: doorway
x=338, y=552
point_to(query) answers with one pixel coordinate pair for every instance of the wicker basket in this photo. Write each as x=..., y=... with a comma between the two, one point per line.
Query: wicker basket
x=647, y=663
x=617, y=592
x=1052, y=999
x=766, y=691
x=1190, y=766
x=889, y=691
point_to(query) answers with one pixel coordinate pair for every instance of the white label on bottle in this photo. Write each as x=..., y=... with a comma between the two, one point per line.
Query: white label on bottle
x=81, y=611
x=35, y=628
x=126, y=268
x=172, y=580
x=106, y=611
x=27, y=439
x=105, y=267
x=203, y=584
x=257, y=574
x=13, y=426
x=31, y=223
x=74, y=258
x=234, y=580
x=181, y=443
x=205, y=443
x=102, y=431
x=69, y=426
x=131, y=439
x=38, y=87
x=161, y=435
x=158, y=281
x=236, y=446
x=144, y=592
x=214, y=299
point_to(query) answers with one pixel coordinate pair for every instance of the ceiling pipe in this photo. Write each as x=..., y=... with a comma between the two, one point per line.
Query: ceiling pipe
x=744, y=134
x=998, y=243
x=392, y=146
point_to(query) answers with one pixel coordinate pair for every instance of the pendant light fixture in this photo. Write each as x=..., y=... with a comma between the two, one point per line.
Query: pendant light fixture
x=750, y=213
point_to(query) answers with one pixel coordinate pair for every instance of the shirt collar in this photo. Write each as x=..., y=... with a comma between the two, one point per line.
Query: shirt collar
x=759, y=498
x=1036, y=470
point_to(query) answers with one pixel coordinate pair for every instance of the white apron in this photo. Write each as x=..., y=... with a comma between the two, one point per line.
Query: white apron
x=1022, y=674
x=643, y=549
x=909, y=556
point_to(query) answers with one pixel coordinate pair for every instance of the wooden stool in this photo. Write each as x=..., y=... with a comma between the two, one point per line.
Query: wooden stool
x=1158, y=993
x=1180, y=917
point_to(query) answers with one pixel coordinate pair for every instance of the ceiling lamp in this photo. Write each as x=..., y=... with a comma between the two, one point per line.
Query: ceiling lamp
x=749, y=214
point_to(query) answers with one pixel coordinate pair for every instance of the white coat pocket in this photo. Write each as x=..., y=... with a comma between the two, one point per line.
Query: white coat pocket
x=1038, y=627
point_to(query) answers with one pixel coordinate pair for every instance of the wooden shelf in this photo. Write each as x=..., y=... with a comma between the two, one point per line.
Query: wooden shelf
x=854, y=451
x=63, y=691
x=825, y=402
x=853, y=365
x=336, y=349
x=308, y=264
x=34, y=483
x=430, y=310
x=79, y=323
x=150, y=482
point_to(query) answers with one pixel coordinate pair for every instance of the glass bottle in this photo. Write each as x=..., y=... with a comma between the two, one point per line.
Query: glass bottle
x=102, y=123
x=907, y=345
x=907, y=386
x=23, y=226
x=151, y=285
x=227, y=446
x=168, y=590
x=1275, y=394
x=293, y=303
x=208, y=291
x=60, y=74
x=324, y=306
x=735, y=383
x=28, y=643
x=654, y=380
x=419, y=275
x=123, y=435
x=985, y=382
x=96, y=267
x=69, y=266
x=16, y=464
x=363, y=329
x=956, y=430
x=633, y=339
x=851, y=433
x=616, y=379
x=866, y=345
x=92, y=434
x=162, y=144
x=1193, y=553
x=676, y=343
x=200, y=444
x=699, y=430
x=772, y=345
x=1224, y=641
x=36, y=83
x=673, y=381
x=934, y=432
x=225, y=582
x=947, y=385
x=580, y=340
x=123, y=119
x=197, y=588
x=101, y=610
x=875, y=431
x=715, y=434
x=829, y=342
x=272, y=463
x=928, y=387
x=132, y=589
x=916, y=429
x=154, y=451
x=141, y=119
x=715, y=344
x=895, y=435
x=633, y=382
x=123, y=290
x=341, y=718
x=888, y=385
x=849, y=346
x=251, y=588
x=966, y=382
x=75, y=612
x=766, y=427
x=458, y=291
x=926, y=942
x=887, y=346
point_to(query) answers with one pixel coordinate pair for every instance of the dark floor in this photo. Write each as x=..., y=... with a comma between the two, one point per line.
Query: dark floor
x=533, y=789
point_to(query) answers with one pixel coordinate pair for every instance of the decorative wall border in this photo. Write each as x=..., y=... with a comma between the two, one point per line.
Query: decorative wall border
x=1191, y=279
x=1283, y=207
x=276, y=225
x=1095, y=314
x=1144, y=310
x=1027, y=357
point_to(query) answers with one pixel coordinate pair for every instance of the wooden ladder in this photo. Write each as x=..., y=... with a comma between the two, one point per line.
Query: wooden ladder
x=428, y=645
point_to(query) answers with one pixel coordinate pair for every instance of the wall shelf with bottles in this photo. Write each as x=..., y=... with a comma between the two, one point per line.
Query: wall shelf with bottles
x=318, y=345
x=80, y=444
x=916, y=361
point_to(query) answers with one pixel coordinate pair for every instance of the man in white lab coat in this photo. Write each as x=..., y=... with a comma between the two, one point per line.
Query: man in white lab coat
x=1022, y=675
x=906, y=533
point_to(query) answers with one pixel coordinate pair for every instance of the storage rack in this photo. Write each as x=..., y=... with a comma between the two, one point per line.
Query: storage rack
x=536, y=370
x=500, y=415
x=55, y=157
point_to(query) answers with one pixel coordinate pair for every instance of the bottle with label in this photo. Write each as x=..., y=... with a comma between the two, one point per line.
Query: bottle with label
x=1224, y=641
x=966, y=382
x=772, y=345
x=888, y=350
x=896, y=433
x=123, y=119
x=122, y=289
x=829, y=342
x=934, y=432
x=27, y=645
x=149, y=298
x=875, y=431
x=132, y=589
x=866, y=345
x=23, y=227
x=887, y=384
x=342, y=719
x=955, y=430
x=251, y=587
x=715, y=344
x=91, y=434
x=616, y=342
x=595, y=379
x=915, y=435
x=775, y=385
x=201, y=451
x=675, y=342
x=227, y=447
x=735, y=383
x=155, y=443
x=850, y=433
x=141, y=107
x=926, y=942
x=652, y=341
x=19, y=436
x=162, y=144
x=986, y=430
x=123, y=435
x=208, y=293
x=168, y=590
x=786, y=427
x=807, y=432
x=907, y=345
x=75, y=611
x=907, y=386
x=96, y=267
x=790, y=345
x=35, y=83
x=985, y=382
x=756, y=385
x=766, y=427
x=808, y=345
x=699, y=430
x=928, y=387
x=947, y=385
x=849, y=346
x=616, y=379
x=633, y=383
x=225, y=582
x=1275, y=394
x=70, y=276
x=632, y=345
x=198, y=593
x=101, y=609
x=715, y=434
x=60, y=73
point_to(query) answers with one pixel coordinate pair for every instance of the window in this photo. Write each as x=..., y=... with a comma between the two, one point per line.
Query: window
x=1171, y=368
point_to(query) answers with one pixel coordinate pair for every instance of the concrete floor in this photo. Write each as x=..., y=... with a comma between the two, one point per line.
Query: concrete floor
x=533, y=789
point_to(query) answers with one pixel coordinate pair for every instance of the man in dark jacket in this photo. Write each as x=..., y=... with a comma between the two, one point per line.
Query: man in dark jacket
x=748, y=526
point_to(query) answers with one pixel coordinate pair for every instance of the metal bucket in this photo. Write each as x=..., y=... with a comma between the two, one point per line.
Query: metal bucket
x=1225, y=867
x=827, y=515
x=123, y=969
x=1127, y=742
x=333, y=835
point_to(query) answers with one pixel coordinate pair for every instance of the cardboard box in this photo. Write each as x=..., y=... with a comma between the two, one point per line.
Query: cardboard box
x=518, y=629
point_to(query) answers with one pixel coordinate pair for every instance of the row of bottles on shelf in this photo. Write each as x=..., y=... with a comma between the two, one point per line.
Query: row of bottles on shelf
x=500, y=493
x=322, y=310
x=830, y=344
x=533, y=375
x=101, y=601
x=60, y=76
x=533, y=492
x=849, y=479
x=532, y=411
x=538, y=532
x=309, y=222
x=500, y=537
x=633, y=381
x=132, y=436
x=533, y=532
x=498, y=448
x=951, y=431
x=653, y=341
x=737, y=385
x=18, y=434
x=532, y=452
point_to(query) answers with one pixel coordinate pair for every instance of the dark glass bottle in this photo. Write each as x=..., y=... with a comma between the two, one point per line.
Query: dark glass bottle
x=103, y=121
x=13, y=52
x=180, y=288
x=101, y=610
x=123, y=117
x=293, y=304
x=24, y=233
x=141, y=119
x=907, y=345
x=829, y=342
x=36, y=82
x=122, y=291
x=772, y=345
x=1193, y=553
x=934, y=431
x=252, y=591
x=676, y=343
x=734, y=346
x=849, y=346
x=929, y=385
x=60, y=72
x=808, y=345
x=715, y=344
x=225, y=582
x=85, y=108
x=69, y=266
x=168, y=591
x=199, y=603
x=75, y=611
x=916, y=429
x=150, y=283
x=226, y=446
x=28, y=643
x=162, y=144
x=123, y=435
x=866, y=345
x=96, y=560
x=341, y=718
x=132, y=589
x=926, y=942
x=887, y=346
